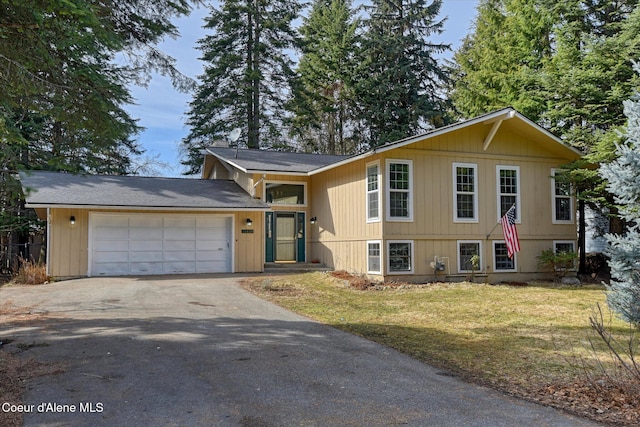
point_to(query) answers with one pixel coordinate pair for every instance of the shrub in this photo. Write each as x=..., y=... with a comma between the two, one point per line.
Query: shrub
x=31, y=272
x=558, y=262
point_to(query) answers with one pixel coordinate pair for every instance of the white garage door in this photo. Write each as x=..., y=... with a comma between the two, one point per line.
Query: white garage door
x=137, y=244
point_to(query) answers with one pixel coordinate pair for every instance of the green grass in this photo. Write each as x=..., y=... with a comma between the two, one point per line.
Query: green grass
x=523, y=337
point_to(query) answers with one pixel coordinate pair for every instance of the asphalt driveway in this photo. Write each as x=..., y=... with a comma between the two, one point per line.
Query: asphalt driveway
x=201, y=351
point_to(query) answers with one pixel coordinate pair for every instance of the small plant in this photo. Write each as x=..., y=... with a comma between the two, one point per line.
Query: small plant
x=475, y=266
x=30, y=272
x=559, y=262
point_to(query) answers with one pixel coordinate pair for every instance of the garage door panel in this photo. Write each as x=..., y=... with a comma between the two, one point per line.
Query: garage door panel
x=150, y=233
x=180, y=245
x=179, y=255
x=178, y=221
x=211, y=245
x=111, y=233
x=179, y=267
x=123, y=244
x=145, y=221
x=146, y=245
x=111, y=269
x=211, y=256
x=146, y=256
x=146, y=268
x=212, y=267
x=112, y=245
x=109, y=257
x=179, y=233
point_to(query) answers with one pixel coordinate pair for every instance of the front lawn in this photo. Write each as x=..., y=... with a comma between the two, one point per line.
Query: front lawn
x=533, y=341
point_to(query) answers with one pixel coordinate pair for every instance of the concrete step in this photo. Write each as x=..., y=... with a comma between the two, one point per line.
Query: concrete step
x=293, y=267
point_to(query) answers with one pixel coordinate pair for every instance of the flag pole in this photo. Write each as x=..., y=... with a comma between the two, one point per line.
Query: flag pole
x=499, y=222
x=492, y=230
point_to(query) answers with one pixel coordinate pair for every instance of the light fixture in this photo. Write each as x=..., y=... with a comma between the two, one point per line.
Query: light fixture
x=249, y=222
x=72, y=220
x=313, y=220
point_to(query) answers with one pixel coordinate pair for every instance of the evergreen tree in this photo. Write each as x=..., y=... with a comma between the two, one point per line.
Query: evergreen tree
x=399, y=81
x=62, y=95
x=324, y=100
x=498, y=64
x=624, y=250
x=247, y=75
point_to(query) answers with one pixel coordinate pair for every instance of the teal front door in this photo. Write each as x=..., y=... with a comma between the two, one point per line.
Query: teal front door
x=285, y=237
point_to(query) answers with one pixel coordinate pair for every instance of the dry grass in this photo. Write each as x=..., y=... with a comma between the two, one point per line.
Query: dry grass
x=533, y=341
x=31, y=273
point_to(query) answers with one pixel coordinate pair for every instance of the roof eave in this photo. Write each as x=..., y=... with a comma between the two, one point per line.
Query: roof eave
x=147, y=208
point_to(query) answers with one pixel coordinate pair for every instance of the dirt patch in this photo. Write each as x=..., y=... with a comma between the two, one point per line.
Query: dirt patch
x=15, y=368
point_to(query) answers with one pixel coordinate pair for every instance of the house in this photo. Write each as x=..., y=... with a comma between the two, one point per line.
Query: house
x=413, y=210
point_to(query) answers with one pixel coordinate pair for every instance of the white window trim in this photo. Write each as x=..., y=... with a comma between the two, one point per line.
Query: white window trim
x=378, y=191
x=379, y=242
x=498, y=194
x=502, y=270
x=388, y=265
x=303, y=183
x=554, y=198
x=475, y=192
x=458, y=259
x=388, y=191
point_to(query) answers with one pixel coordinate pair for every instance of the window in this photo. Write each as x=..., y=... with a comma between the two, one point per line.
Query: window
x=374, y=257
x=373, y=192
x=279, y=193
x=400, y=256
x=508, y=180
x=468, y=252
x=561, y=200
x=501, y=260
x=465, y=192
x=399, y=190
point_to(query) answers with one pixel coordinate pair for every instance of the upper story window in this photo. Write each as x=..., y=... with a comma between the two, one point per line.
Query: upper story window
x=465, y=192
x=508, y=183
x=399, y=190
x=561, y=201
x=285, y=193
x=373, y=192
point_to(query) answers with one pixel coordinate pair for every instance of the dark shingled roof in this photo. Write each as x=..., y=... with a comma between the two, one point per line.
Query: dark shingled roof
x=274, y=161
x=44, y=189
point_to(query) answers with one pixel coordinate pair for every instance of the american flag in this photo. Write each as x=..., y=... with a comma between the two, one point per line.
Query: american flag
x=509, y=231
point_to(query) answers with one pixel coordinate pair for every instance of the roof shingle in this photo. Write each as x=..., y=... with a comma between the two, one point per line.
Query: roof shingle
x=44, y=189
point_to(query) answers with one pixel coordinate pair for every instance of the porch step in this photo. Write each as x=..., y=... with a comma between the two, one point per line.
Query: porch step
x=293, y=267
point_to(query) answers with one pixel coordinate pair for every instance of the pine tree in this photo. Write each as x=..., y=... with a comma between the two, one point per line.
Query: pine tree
x=247, y=75
x=399, y=80
x=324, y=100
x=498, y=64
x=624, y=250
x=63, y=94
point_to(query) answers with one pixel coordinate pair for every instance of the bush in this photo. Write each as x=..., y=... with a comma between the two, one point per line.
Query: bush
x=31, y=272
x=558, y=262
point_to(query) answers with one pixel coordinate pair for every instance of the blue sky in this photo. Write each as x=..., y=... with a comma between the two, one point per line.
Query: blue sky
x=160, y=109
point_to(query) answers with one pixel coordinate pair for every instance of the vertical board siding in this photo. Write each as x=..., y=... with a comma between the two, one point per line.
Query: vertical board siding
x=340, y=237
x=69, y=255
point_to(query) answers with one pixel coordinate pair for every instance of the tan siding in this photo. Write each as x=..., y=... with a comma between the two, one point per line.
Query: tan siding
x=68, y=253
x=249, y=247
x=69, y=257
x=342, y=232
